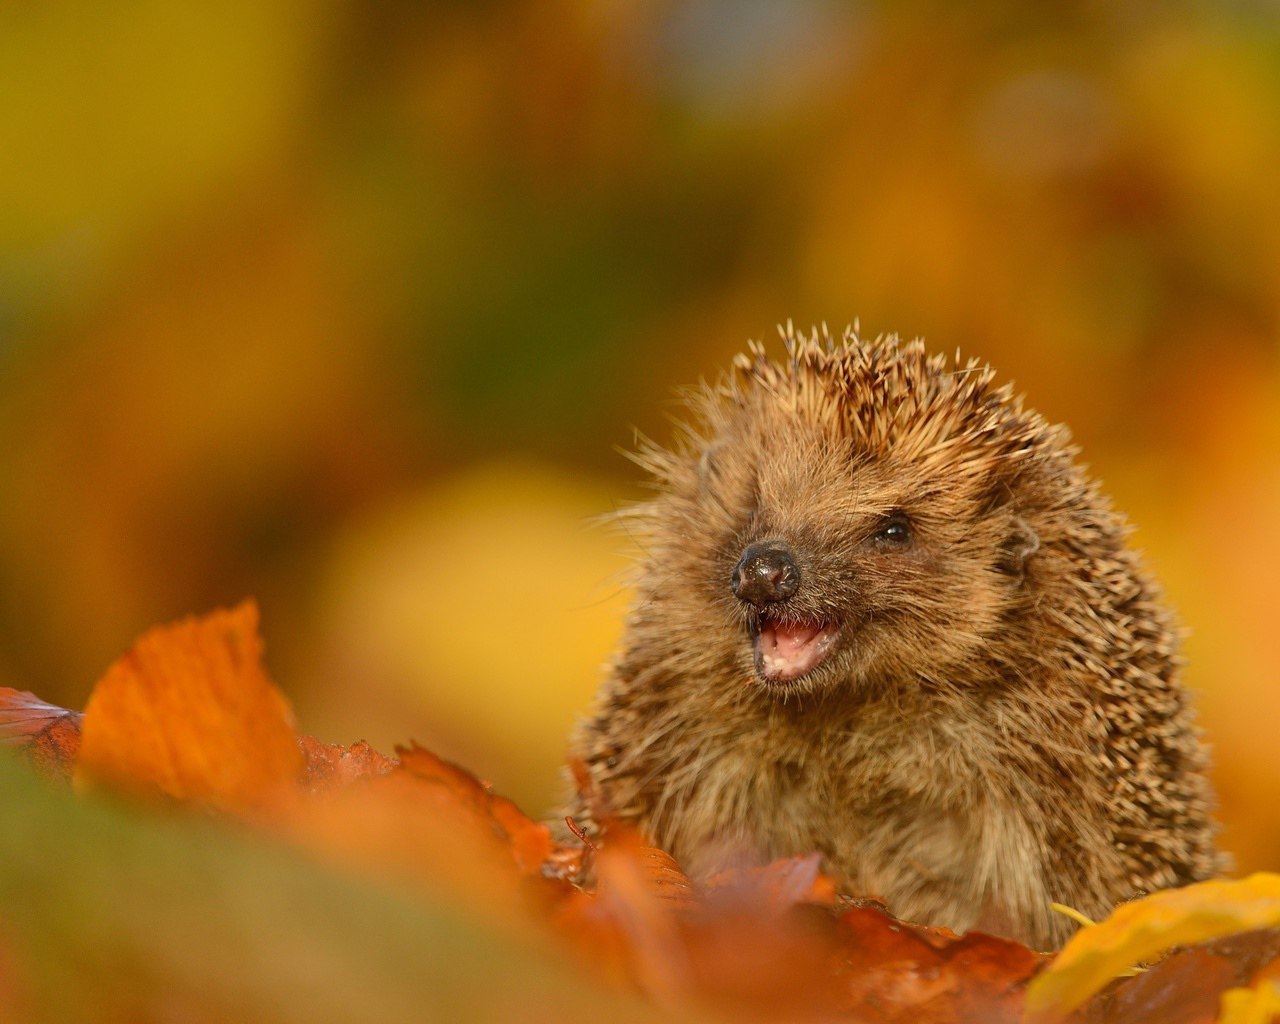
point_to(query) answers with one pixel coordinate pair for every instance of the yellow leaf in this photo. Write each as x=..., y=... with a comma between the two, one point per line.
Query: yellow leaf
x=1260, y=1005
x=1146, y=928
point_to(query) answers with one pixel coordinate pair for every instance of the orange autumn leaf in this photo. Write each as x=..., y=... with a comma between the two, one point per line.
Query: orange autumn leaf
x=897, y=973
x=330, y=765
x=747, y=945
x=778, y=886
x=1190, y=985
x=431, y=824
x=529, y=841
x=628, y=926
x=666, y=879
x=190, y=713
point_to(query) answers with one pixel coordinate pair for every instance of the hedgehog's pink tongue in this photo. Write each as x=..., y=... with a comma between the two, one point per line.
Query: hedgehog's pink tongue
x=787, y=651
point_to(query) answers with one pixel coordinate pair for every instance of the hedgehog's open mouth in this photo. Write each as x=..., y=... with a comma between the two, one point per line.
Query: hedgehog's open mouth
x=787, y=651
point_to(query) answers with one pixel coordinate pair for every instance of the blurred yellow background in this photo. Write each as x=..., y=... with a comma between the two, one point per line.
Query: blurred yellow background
x=348, y=306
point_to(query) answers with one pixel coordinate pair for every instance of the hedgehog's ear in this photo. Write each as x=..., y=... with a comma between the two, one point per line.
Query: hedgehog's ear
x=1020, y=543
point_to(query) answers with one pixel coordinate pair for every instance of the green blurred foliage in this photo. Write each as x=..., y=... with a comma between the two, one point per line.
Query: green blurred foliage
x=288, y=291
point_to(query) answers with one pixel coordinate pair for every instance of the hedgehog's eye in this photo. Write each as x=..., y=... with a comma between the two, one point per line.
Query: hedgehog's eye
x=893, y=532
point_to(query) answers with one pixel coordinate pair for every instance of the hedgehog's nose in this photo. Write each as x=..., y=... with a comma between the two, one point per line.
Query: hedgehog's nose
x=766, y=574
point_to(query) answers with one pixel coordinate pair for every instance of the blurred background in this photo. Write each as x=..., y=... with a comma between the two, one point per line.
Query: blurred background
x=348, y=306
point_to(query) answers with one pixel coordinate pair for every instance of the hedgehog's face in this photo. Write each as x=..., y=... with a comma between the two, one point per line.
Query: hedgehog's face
x=832, y=565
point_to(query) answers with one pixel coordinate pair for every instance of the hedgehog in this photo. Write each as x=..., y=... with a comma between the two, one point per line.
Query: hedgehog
x=883, y=613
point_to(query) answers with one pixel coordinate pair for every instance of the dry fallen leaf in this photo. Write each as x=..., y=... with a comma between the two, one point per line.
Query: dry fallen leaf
x=1143, y=930
x=330, y=766
x=779, y=886
x=1187, y=986
x=528, y=841
x=1260, y=1005
x=190, y=713
x=763, y=943
x=51, y=735
x=895, y=972
x=430, y=823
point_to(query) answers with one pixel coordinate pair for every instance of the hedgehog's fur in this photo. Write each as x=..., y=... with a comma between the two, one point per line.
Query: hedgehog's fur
x=1000, y=722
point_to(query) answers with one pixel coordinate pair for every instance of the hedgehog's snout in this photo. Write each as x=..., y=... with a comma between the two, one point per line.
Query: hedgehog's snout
x=765, y=574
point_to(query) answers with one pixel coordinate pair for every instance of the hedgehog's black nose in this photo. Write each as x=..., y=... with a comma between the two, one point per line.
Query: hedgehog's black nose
x=765, y=574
